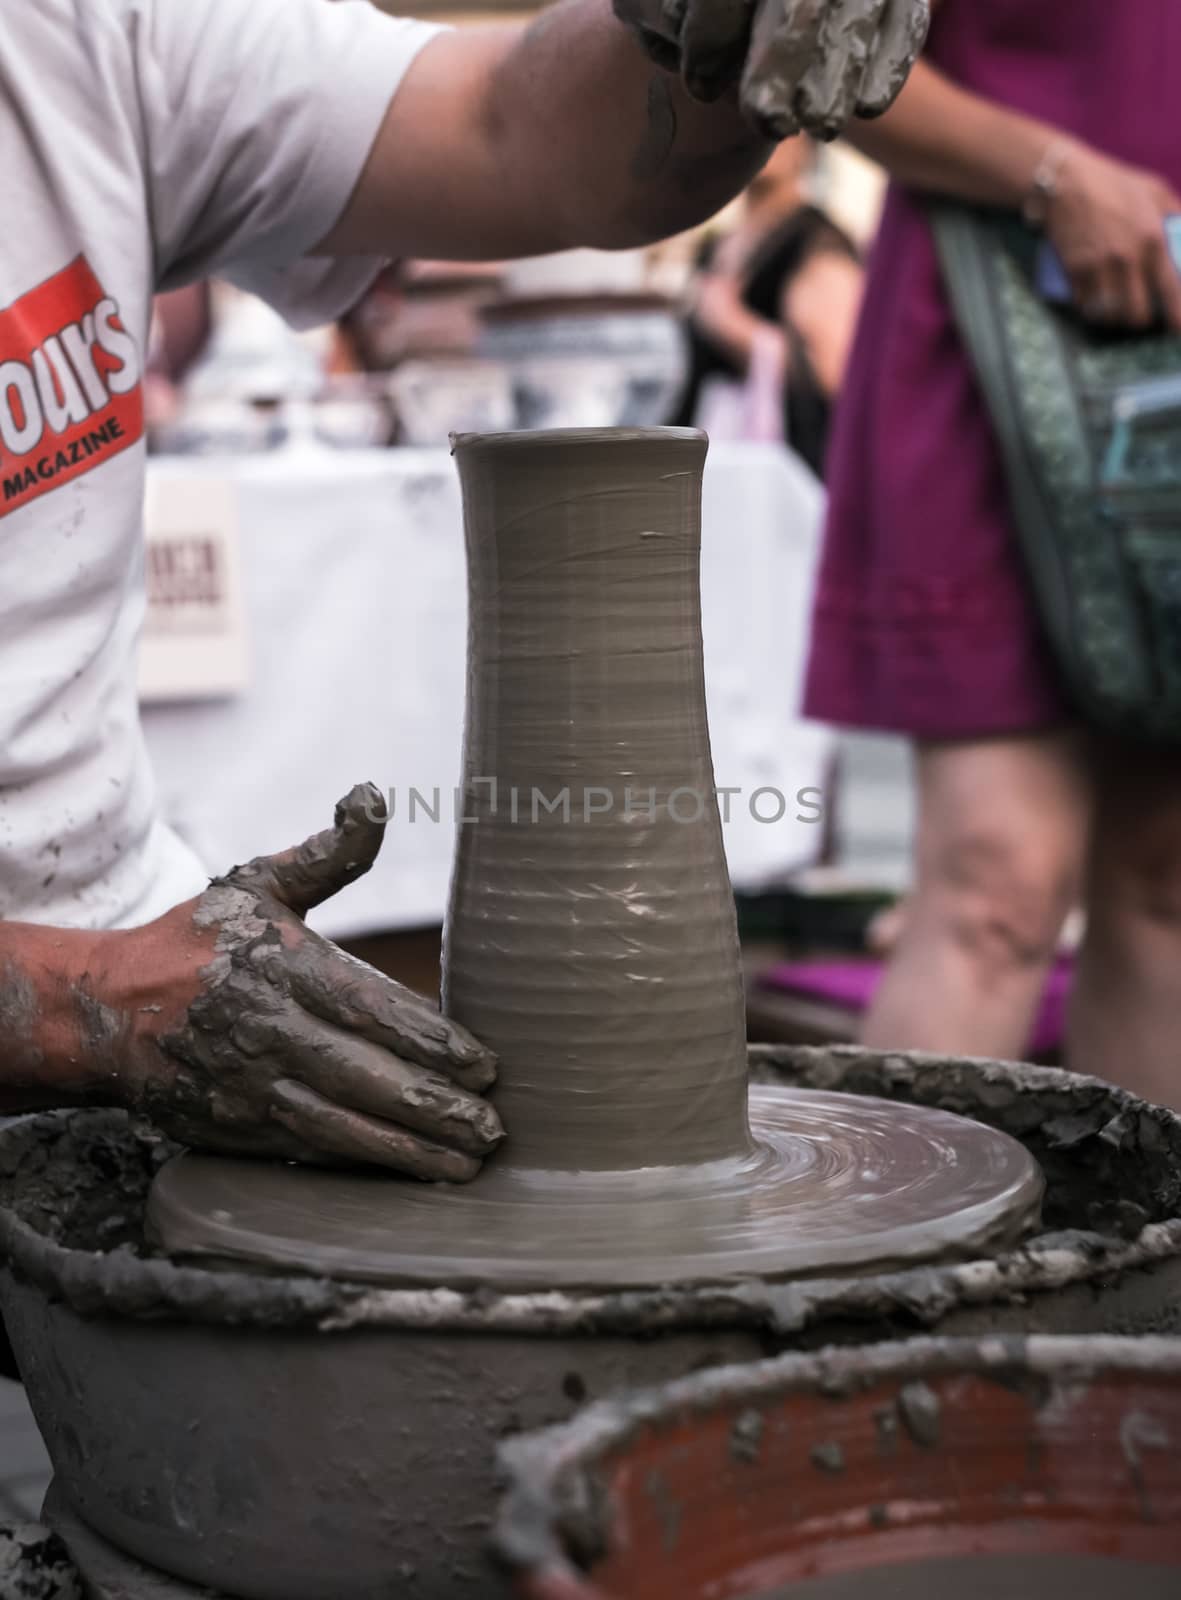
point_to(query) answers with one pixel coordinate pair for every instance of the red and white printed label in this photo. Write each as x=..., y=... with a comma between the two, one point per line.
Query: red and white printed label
x=71, y=395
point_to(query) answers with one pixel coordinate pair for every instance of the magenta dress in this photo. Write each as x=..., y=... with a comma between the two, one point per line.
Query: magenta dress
x=923, y=621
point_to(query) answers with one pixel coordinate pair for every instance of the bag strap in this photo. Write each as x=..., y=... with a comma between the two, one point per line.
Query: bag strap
x=976, y=251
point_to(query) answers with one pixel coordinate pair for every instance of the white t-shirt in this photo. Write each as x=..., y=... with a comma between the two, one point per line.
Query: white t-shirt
x=143, y=144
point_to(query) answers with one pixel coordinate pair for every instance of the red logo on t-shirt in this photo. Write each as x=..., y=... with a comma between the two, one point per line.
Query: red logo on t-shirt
x=70, y=394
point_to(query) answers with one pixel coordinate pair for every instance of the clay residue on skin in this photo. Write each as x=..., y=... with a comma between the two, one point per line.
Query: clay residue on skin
x=810, y=64
x=292, y=1049
x=813, y=64
x=20, y=1021
x=320, y=867
x=904, y=28
x=830, y=83
x=103, y=1030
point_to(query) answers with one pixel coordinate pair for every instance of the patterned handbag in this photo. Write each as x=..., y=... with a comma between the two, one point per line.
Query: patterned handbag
x=1089, y=425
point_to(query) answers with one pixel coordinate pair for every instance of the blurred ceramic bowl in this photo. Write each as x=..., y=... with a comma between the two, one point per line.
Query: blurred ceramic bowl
x=354, y=422
x=225, y=426
x=569, y=392
x=435, y=398
x=604, y=361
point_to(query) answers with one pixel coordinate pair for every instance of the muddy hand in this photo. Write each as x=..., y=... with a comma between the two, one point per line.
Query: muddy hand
x=268, y=1039
x=814, y=64
x=806, y=65
x=705, y=41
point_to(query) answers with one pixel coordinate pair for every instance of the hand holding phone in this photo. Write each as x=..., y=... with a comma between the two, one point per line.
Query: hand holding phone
x=1113, y=228
x=1053, y=284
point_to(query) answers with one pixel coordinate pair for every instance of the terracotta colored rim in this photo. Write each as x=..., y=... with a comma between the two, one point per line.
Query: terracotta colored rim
x=598, y=1463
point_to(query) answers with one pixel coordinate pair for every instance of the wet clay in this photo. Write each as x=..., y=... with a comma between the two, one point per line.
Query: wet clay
x=813, y=64
x=594, y=948
x=801, y=64
x=985, y=1577
x=833, y=1185
x=591, y=943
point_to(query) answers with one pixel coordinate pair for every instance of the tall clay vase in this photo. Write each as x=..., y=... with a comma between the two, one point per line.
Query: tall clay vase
x=591, y=942
x=591, y=937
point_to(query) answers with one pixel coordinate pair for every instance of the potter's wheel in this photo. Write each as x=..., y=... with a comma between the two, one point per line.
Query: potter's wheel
x=832, y=1183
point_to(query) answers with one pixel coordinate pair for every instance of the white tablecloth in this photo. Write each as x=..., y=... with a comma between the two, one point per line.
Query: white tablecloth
x=354, y=585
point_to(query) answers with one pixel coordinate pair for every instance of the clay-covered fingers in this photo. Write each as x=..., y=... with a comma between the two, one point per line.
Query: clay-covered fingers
x=714, y=36
x=899, y=43
x=353, y=1073
x=327, y=862
x=332, y=1131
x=784, y=44
x=362, y=1001
x=829, y=90
x=814, y=64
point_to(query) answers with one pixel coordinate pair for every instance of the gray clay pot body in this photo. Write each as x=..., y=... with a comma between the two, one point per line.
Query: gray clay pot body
x=594, y=946
x=303, y=1466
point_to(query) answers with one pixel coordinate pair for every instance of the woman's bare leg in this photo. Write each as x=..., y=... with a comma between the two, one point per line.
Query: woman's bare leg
x=1125, y=1021
x=1001, y=842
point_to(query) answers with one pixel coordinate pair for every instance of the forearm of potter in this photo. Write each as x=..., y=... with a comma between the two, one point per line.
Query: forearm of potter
x=50, y=1011
x=510, y=141
x=942, y=138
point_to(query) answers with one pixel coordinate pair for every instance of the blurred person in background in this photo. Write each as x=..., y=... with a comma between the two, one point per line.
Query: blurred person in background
x=774, y=310
x=182, y=323
x=370, y=335
x=924, y=621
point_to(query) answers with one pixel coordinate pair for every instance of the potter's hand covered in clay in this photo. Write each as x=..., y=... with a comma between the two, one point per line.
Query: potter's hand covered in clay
x=250, y=1033
x=799, y=65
